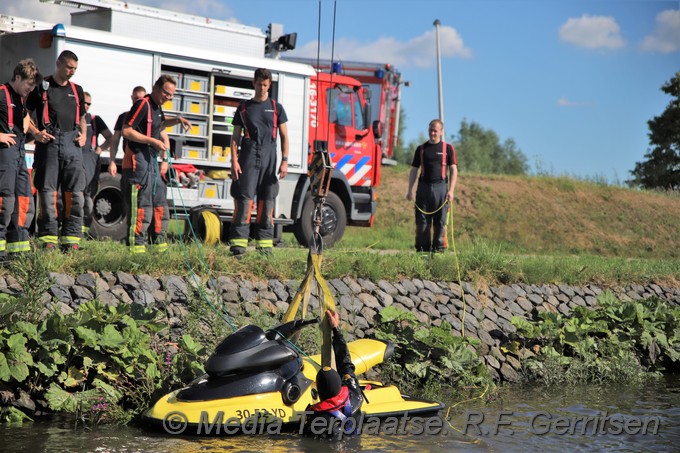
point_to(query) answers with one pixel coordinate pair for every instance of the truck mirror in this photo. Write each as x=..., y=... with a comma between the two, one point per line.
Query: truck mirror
x=377, y=129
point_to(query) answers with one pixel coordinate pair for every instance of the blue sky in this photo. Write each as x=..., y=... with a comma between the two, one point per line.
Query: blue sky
x=573, y=83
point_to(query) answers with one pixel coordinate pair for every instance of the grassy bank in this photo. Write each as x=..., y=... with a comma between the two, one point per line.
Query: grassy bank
x=506, y=230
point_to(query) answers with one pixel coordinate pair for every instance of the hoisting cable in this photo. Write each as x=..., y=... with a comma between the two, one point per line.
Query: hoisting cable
x=199, y=285
x=319, y=174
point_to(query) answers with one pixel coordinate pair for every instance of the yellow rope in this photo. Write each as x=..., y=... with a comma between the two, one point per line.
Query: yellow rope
x=448, y=410
x=430, y=213
x=460, y=283
x=449, y=221
x=212, y=228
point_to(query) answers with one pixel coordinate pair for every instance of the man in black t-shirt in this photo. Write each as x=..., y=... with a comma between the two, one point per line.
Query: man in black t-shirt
x=16, y=198
x=145, y=178
x=60, y=134
x=91, y=152
x=138, y=93
x=435, y=190
x=253, y=168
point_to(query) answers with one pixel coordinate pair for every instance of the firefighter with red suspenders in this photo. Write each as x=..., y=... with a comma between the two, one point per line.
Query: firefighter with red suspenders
x=61, y=132
x=91, y=152
x=16, y=199
x=144, y=177
x=253, y=170
x=435, y=190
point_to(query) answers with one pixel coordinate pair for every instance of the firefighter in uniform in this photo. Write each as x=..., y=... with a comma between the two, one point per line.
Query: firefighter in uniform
x=253, y=171
x=91, y=152
x=16, y=198
x=339, y=391
x=435, y=190
x=58, y=162
x=146, y=141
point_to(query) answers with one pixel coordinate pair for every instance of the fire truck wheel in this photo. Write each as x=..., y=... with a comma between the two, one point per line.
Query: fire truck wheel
x=333, y=221
x=109, y=216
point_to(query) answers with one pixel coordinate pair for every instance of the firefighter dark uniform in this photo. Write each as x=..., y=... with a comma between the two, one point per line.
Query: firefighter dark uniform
x=16, y=198
x=95, y=126
x=433, y=159
x=58, y=164
x=145, y=188
x=257, y=158
x=341, y=398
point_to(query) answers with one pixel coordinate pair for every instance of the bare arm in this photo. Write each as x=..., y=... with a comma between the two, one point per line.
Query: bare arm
x=283, y=132
x=82, y=138
x=113, y=151
x=135, y=136
x=174, y=120
x=453, y=178
x=108, y=138
x=235, y=142
x=413, y=174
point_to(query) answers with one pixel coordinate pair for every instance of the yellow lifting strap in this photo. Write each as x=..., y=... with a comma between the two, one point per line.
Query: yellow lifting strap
x=319, y=175
x=326, y=302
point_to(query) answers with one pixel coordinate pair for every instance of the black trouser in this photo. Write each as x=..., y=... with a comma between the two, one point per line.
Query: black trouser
x=258, y=179
x=92, y=171
x=58, y=166
x=16, y=199
x=146, y=196
x=431, y=228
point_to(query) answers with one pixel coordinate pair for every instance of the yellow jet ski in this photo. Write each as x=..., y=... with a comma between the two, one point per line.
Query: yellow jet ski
x=259, y=380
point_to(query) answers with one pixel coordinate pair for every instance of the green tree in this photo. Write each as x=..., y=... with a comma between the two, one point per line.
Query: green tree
x=662, y=167
x=479, y=150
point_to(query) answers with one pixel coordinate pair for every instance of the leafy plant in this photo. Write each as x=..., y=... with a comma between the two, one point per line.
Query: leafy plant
x=97, y=362
x=430, y=354
x=616, y=342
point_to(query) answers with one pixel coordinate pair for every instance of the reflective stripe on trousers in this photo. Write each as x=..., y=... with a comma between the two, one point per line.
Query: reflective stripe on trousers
x=58, y=167
x=16, y=199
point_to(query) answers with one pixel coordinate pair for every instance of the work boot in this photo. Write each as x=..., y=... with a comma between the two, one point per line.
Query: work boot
x=49, y=246
x=237, y=252
x=266, y=251
x=70, y=248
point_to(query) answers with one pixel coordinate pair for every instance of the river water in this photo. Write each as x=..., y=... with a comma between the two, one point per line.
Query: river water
x=526, y=419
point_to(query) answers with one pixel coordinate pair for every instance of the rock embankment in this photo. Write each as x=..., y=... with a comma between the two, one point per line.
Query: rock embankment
x=487, y=311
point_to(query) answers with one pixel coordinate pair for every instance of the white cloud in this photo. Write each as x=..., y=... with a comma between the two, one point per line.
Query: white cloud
x=666, y=36
x=564, y=102
x=420, y=51
x=592, y=32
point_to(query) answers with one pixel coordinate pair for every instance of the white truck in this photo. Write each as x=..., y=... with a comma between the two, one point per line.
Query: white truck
x=120, y=45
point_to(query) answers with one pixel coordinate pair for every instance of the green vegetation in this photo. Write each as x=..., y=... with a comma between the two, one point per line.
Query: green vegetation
x=618, y=342
x=660, y=169
x=101, y=363
x=434, y=358
x=506, y=229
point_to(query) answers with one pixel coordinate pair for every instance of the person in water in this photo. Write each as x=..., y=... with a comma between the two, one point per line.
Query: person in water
x=340, y=397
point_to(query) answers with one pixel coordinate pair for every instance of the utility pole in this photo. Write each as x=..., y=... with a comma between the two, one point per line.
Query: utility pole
x=439, y=72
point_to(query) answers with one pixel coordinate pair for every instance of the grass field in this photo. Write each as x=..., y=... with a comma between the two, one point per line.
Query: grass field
x=505, y=230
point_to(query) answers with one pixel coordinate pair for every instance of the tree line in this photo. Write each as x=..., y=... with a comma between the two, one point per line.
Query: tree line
x=480, y=150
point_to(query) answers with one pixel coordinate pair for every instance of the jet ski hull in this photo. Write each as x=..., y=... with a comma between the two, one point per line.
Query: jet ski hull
x=197, y=409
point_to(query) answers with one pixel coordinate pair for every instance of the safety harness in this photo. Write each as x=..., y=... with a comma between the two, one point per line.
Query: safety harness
x=421, y=149
x=46, y=109
x=243, y=113
x=10, y=110
x=145, y=100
